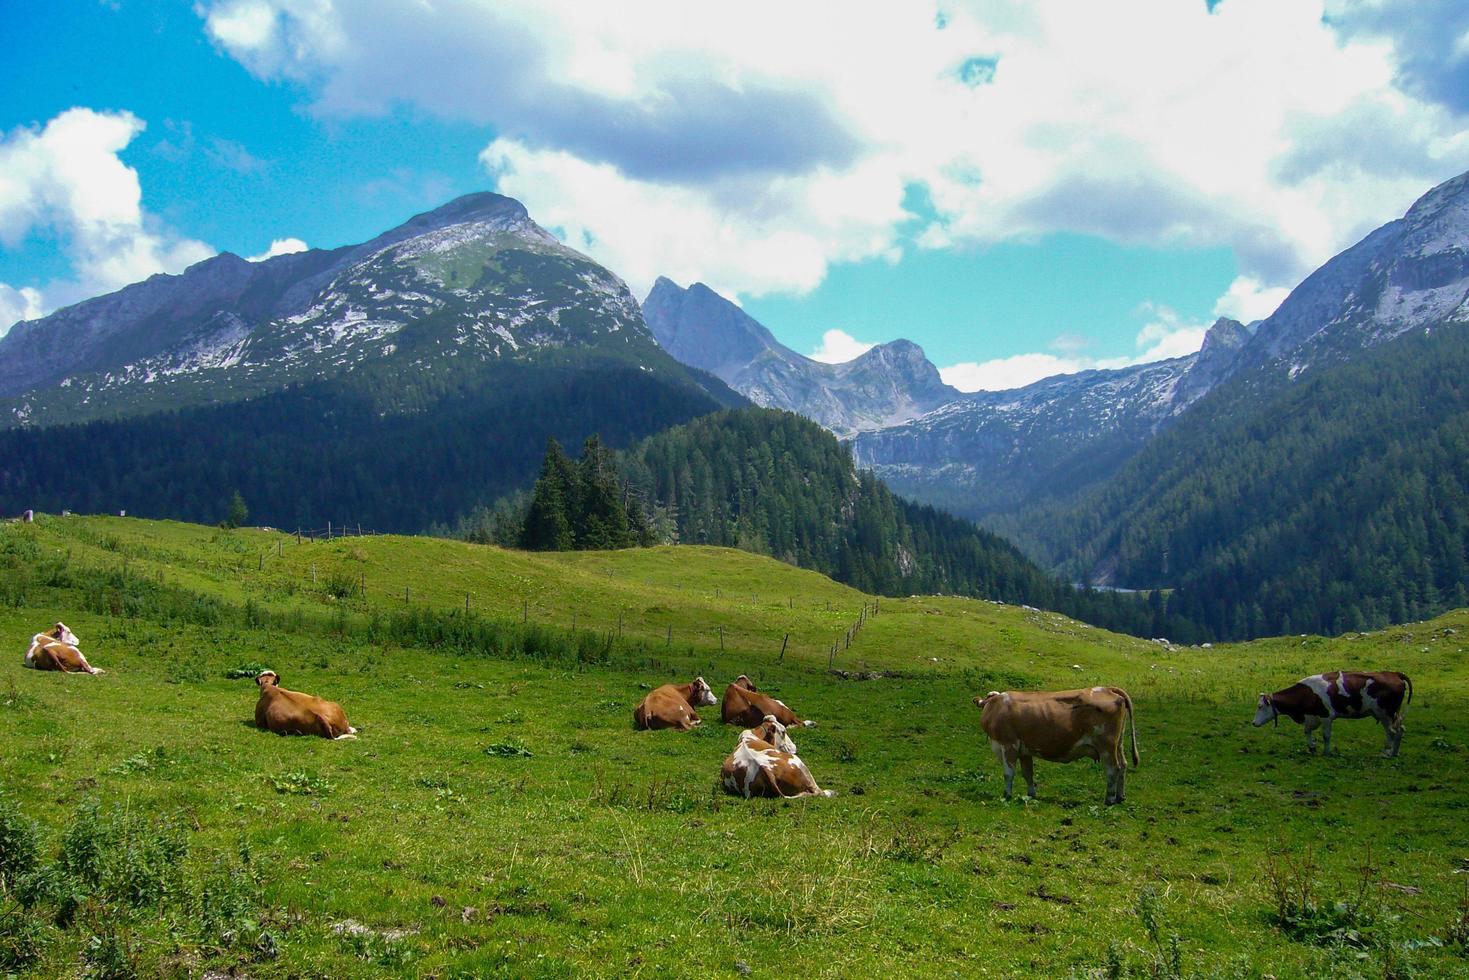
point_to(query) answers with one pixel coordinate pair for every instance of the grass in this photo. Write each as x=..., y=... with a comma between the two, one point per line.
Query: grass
x=498, y=815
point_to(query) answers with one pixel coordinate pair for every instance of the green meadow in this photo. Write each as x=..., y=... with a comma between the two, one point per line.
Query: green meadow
x=498, y=815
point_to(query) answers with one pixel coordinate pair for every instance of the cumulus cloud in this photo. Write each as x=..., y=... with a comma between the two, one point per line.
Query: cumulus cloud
x=66, y=180
x=18, y=304
x=1429, y=39
x=706, y=142
x=1166, y=335
x=280, y=246
x=838, y=347
x=1003, y=373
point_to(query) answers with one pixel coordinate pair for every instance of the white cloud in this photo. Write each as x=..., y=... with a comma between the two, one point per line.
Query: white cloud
x=67, y=181
x=1003, y=373
x=16, y=305
x=280, y=246
x=1247, y=300
x=1163, y=337
x=838, y=347
x=646, y=131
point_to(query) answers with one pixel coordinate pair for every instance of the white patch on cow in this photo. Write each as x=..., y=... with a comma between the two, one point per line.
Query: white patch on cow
x=30, y=660
x=1322, y=689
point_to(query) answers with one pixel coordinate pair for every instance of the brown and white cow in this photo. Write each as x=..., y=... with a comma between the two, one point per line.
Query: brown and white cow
x=1060, y=726
x=764, y=763
x=56, y=649
x=672, y=706
x=744, y=704
x=1318, y=700
x=293, y=713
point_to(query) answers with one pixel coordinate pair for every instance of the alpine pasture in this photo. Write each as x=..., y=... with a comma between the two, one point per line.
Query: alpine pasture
x=498, y=814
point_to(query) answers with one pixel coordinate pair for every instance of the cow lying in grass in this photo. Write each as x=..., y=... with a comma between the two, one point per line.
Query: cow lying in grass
x=56, y=649
x=293, y=713
x=672, y=706
x=1060, y=726
x=764, y=763
x=1318, y=700
x=743, y=704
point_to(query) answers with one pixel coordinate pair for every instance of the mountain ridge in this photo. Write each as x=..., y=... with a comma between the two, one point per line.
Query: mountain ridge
x=887, y=384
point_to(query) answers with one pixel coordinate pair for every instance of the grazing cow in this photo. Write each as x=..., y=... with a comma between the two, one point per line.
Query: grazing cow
x=764, y=763
x=56, y=649
x=743, y=704
x=1318, y=700
x=672, y=706
x=1060, y=726
x=293, y=713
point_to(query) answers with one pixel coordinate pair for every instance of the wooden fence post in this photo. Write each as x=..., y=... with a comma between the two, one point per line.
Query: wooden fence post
x=313, y=573
x=721, y=639
x=328, y=530
x=781, y=658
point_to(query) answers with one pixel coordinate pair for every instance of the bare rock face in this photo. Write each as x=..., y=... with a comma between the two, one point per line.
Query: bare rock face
x=473, y=280
x=889, y=384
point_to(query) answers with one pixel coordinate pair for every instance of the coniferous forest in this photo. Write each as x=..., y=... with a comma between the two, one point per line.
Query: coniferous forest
x=777, y=484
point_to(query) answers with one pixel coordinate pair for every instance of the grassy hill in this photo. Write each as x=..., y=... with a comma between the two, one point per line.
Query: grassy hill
x=435, y=845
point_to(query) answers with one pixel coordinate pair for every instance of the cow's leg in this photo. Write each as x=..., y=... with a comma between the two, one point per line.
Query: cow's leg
x=1393, y=727
x=1007, y=760
x=1114, y=795
x=1027, y=767
x=1326, y=736
x=1310, y=725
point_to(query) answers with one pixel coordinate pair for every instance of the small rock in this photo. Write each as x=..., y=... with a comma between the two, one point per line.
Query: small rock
x=438, y=901
x=468, y=914
x=743, y=968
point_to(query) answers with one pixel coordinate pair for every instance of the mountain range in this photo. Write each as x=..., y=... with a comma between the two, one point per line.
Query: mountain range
x=887, y=385
x=1304, y=472
x=393, y=383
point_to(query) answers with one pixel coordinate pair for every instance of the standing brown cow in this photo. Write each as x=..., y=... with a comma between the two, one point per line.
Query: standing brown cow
x=56, y=649
x=1060, y=726
x=293, y=713
x=672, y=706
x=744, y=704
x=1318, y=700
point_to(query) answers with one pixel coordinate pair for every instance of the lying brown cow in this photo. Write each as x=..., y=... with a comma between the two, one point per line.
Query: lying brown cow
x=1060, y=726
x=1320, y=699
x=672, y=706
x=56, y=649
x=743, y=704
x=764, y=763
x=293, y=713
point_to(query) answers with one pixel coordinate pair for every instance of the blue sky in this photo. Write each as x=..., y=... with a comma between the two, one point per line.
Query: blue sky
x=1020, y=191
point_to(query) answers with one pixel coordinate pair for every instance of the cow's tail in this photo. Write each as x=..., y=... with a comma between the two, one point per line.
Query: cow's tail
x=1132, y=725
x=1408, y=697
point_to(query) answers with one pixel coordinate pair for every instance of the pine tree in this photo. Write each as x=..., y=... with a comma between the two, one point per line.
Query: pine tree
x=238, y=513
x=547, y=523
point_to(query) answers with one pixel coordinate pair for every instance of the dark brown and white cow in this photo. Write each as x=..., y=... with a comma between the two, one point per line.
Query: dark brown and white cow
x=56, y=649
x=764, y=763
x=293, y=713
x=1060, y=726
x=744, y=704
x=672, y=706
x=1318, y=700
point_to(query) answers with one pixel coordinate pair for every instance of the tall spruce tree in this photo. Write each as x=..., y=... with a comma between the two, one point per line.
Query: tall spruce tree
x=547, y=521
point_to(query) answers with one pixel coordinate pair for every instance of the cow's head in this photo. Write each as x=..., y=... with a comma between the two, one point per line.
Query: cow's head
x=745, y=682
x=1265, y=711
x=983, y=699
x=774, y=732
x=268, y=678
x=63, y=633
x=700, y=695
